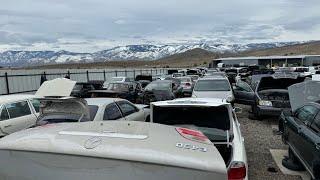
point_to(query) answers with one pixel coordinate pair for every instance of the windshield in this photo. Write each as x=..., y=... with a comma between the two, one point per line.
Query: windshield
x=118, y=87
x=213, y=121
x=77, y=87
x=158, y=86
x=212, y=85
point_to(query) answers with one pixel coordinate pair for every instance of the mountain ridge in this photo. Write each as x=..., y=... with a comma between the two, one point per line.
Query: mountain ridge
x=126, y=53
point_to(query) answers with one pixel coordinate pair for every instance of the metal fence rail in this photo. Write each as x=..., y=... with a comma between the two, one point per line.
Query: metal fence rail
x=30, y=82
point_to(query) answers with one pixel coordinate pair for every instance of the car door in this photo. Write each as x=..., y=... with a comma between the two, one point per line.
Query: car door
x=243, y=93
x=20, y=117
x=299, y=133
x=112, y=112
x=130, y=111
x=311, y=135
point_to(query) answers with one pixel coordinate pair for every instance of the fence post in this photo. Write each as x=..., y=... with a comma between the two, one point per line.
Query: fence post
x=88, y=76
x=104, y=75
x=141, y=71
x=116, y=73
x=69, y=74
x=125, y=72
x=7, y=82
x=134, y=73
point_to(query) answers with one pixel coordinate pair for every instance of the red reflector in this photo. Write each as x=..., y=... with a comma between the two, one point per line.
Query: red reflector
x=193, y=135
x=237, y=171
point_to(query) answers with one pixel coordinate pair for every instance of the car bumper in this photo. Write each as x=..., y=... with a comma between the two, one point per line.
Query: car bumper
x=269, y=111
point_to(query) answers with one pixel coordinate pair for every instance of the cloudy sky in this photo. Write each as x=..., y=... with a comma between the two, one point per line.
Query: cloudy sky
x=90, y=25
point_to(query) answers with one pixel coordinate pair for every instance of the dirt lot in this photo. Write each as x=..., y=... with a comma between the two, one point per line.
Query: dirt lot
x=259, y=139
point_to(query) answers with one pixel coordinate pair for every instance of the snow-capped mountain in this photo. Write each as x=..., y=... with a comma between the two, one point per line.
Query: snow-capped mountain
x=130, y=52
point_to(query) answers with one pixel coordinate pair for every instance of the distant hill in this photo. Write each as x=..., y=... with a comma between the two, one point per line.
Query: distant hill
x=196, y=57
x=309, y=48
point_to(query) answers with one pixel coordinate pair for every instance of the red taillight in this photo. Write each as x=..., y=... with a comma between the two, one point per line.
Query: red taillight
x=193, y=135
x=188, y=84
x=237, y=171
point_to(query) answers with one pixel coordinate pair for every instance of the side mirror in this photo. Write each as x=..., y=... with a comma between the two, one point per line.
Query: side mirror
x=238, y=110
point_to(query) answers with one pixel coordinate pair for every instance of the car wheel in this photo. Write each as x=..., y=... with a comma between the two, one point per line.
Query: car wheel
x=292, y=162
x=316, y=172
x=254, y=115
x=148, y=119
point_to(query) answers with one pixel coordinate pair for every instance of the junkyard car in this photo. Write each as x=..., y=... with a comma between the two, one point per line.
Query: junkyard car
x=117, y=79
x=268, y=95
x=57, y=106
x=113, y=150
x=17, y=112
x=301, y=128
x=124, y=90
x=159, y=90
x=216, y=119
x=57, y=110
x=213, y=87
x=81, y=90
x=187, y=85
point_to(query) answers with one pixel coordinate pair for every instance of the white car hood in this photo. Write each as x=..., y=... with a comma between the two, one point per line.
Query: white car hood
x=213, y=94
x=302, y=93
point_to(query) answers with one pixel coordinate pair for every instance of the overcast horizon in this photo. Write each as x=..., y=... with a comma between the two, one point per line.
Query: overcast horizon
x=88, y=26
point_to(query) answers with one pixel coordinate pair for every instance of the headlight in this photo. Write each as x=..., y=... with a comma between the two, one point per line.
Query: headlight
x=230, y=99
x=265, y=103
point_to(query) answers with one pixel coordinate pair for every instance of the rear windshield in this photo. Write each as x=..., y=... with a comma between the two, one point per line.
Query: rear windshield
x=212, y=85
x=158, y=86
x=118, y=87
x=185, y=79
x=212, y=121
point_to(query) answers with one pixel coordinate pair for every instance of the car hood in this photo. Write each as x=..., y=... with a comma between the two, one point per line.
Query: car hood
x=302, y=93
x=60, y=87
x=213, y=94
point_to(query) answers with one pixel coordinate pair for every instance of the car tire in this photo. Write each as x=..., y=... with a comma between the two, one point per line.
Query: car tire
x=316, y=167
x=254, y=115
x=292, y=162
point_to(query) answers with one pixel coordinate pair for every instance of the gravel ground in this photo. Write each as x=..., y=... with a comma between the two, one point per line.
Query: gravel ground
x=259, y=139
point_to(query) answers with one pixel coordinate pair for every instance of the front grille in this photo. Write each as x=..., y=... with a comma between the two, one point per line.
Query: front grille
x=281, y=104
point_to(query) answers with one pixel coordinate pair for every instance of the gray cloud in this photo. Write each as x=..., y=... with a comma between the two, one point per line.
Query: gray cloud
x=106, y=23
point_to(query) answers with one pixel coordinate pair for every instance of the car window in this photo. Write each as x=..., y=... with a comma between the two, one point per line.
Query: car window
x=306, y=114
x=242, y=86
x=127, y=108
x=36, y=104
x=112, y=112
x=18, y=109
x=212, y=85
x=316, y=124
x=4, y=114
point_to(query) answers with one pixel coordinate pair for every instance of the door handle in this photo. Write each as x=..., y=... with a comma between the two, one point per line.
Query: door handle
x=299, y=130
x=7, y=126
x=317, y=146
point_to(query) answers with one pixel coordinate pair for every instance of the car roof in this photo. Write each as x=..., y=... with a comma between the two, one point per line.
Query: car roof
x=101, y=101
x=15, y=97
x=192, y=102
x=214, y=77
